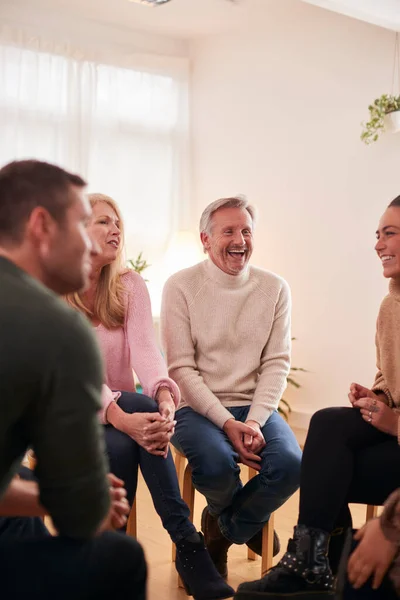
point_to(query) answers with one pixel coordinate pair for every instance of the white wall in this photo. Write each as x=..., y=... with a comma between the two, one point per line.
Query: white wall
x=276, y=112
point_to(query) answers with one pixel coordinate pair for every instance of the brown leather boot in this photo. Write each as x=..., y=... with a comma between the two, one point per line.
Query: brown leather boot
x=255, y=543
x=216, y=543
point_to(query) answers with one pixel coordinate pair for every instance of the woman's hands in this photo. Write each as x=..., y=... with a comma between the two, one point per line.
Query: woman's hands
x=373, y=410
x=372, y=557
x=358, y=391
x=152, y=431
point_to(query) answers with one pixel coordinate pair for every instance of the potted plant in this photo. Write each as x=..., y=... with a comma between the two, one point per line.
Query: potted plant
x=139, y=264
x=284, y=407
x=384, y=115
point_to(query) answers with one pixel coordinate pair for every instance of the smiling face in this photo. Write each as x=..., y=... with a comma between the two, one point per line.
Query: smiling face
x=388, y=244
x=229, y=243
x=105, y=229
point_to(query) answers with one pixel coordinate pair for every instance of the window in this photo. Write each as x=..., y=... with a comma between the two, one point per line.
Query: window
x=123, y=129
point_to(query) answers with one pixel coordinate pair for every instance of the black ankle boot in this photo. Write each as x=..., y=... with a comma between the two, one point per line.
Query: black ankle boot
x=216, y=542
x=198, y=573
x=303, y=572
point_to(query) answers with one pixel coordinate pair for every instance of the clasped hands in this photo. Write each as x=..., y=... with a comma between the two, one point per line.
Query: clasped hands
x=154, y=430
x=373, y=410
x=247, y=439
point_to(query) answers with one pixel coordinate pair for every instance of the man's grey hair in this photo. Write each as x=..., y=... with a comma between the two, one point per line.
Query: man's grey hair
x=232, y=202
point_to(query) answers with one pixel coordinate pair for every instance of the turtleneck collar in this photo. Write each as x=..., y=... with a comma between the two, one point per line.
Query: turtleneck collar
x=231, y=281
x=394, y=289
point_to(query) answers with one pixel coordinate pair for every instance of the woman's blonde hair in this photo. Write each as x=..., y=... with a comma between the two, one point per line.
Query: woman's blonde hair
x=109, y=306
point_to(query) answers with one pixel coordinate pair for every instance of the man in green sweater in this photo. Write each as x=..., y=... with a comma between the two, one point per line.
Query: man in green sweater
x=226, y=333
x=50, y=384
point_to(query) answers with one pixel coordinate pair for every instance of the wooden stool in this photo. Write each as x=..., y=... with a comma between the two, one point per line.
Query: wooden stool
x=131, y=526
x=187, y=491
x=372, y=512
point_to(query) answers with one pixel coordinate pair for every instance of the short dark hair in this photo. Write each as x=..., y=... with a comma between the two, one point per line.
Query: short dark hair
x=26, y=184
x=395, y=202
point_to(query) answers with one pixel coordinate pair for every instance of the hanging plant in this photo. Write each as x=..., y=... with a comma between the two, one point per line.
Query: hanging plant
x=378, y=121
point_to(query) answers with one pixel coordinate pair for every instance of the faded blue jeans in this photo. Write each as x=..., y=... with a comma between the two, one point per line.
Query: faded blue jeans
x=242, y=510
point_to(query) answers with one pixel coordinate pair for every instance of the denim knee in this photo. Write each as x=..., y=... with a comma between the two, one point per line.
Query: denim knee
x=284, y=472
x=131, y=402
x=219, y=473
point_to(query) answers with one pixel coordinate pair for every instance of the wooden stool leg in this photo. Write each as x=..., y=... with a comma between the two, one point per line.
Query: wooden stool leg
x=267, y=546
x=131, y=527
x=250, y=554
x=188, y=497
x=372, y=512
x=179, y=461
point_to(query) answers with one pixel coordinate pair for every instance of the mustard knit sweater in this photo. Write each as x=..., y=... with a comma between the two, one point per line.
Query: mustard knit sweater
x=387, y=379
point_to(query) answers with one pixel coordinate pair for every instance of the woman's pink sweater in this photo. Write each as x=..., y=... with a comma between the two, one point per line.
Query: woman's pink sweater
x=133, y=347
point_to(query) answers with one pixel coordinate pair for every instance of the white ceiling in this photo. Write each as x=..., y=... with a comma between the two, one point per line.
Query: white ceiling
x=385, y=13
x=192, y=18
x=178, y=18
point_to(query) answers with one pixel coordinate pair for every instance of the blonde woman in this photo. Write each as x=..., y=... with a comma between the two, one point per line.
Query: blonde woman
x=138, y=427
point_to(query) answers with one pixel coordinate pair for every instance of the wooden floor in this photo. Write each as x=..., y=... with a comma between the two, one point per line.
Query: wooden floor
x=162, y=583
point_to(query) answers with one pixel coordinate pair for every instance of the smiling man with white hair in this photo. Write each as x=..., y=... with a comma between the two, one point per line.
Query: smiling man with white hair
x=226, y=334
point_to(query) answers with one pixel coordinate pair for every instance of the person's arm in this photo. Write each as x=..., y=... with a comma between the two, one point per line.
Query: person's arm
x=380, y=387
x=147, y=360
x=108, y=397
x=21, y=499
x=275, y=362
x=180, y=356
x=64, y=429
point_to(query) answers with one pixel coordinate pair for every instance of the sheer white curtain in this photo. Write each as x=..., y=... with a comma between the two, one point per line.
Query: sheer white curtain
x=124, y=128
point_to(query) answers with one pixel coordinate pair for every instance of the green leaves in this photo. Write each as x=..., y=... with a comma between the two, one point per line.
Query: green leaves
x=138, y=264
x=382, y=106
x=284, y=407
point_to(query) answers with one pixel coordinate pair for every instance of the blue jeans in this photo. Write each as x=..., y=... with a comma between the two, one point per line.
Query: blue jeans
x=125, y=456
x=242, y=510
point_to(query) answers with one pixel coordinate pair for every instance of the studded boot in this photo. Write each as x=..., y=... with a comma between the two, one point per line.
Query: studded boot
x=302, y=573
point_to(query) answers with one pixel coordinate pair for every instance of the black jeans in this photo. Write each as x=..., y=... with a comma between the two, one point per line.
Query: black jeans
x=125, y=456
x=12, y=528
x=35, y=565
x=345, y=459
x=110, y=565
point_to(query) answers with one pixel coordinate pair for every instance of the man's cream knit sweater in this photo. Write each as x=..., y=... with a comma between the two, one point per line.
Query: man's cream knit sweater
x=227, y=339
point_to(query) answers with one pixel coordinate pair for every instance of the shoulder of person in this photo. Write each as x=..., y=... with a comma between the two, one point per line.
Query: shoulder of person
x=131, y=280
x=188, y=278
x=388, y=303
x=270, y=283
x=68, y=324
x=49, y=325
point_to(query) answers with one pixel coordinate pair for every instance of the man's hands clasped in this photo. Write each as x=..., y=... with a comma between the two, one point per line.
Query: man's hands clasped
x=247, y=439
